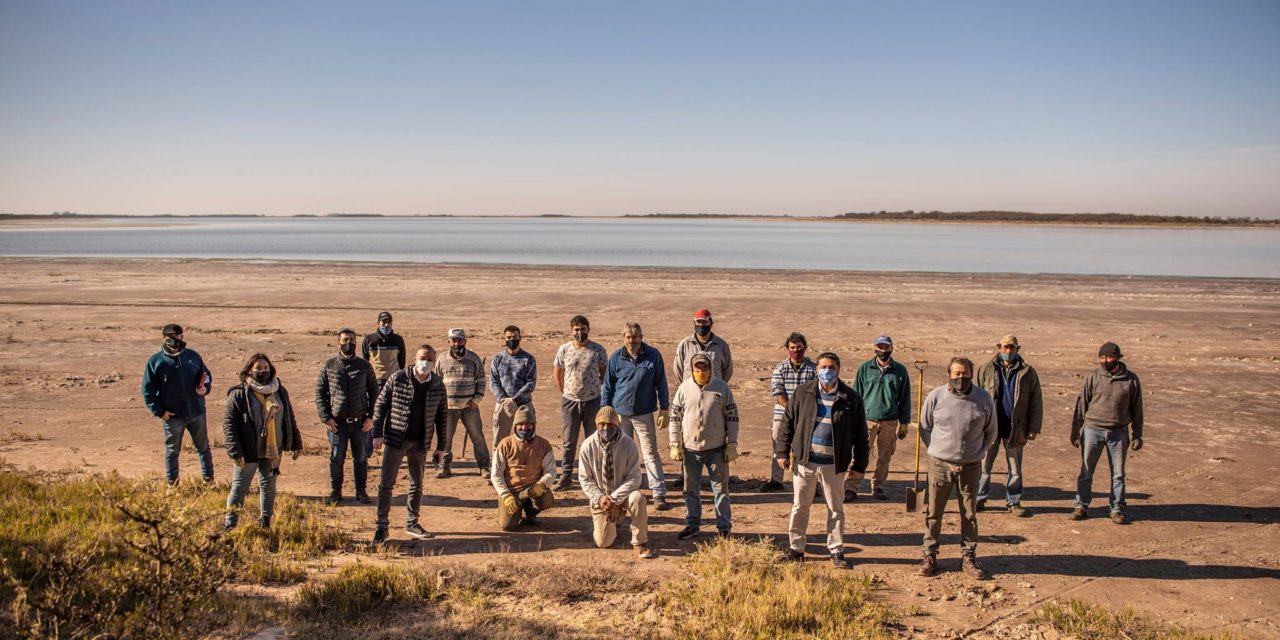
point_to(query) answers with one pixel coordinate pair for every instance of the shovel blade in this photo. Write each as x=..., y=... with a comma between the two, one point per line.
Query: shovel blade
x=913, y=500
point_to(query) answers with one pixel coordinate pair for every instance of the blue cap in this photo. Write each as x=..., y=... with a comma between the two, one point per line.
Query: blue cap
x=884, y=340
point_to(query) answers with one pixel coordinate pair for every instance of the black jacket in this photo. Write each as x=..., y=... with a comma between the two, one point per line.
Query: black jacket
x=241, y=433
x=346, y=389
x=391, y=413
x=848, y=427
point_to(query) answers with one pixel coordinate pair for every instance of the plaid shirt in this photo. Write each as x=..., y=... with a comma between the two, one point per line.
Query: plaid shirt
x=786, y=377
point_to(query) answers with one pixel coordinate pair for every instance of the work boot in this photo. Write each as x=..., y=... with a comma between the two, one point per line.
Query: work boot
x=1119, y=517
x=795, y=556
x=850, y=495
x=264, y=522
x=565, y=483
x=878, y=493
x=838, y=561
x=771, y=486
x=928, y=565
x=969, y=565
x=644, y=552
x=1017, y=510
x=444, y=471
x=688, y=532
x=380, y=535
x=661, y=504
x=1079, y=513
x=334, y=498
x=416, y=531
x=363, y=497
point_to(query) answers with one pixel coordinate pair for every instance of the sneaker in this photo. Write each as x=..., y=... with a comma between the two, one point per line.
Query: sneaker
x=565, y=483
x=794, y=555
x=929, y=565
x=416, y=531
x=771, y=486
x=661, y=503
x=1079, y=513
x=484, y=473
x=878, y=493
x=688, y=532
x=644, y=552
x=264, y=523
x=982, y=505
x=334, y=498
x=363, y=497
x=1119, y=517
x=380, y=535
x=850, y=495
x=228, y=524
x=969, y=565
x=444, y=472
x=838, y=561
x=723, y=534
x=1017, y=510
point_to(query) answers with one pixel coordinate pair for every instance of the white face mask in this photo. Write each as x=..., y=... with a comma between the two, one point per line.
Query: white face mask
x=424, y=366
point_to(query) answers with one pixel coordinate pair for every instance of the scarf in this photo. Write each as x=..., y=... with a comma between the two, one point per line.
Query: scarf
x=271, y=418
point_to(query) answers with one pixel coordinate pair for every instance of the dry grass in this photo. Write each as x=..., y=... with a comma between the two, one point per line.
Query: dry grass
x=1090, y=622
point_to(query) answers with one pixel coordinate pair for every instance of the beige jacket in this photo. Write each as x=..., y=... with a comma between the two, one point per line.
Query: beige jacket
x=703, y=418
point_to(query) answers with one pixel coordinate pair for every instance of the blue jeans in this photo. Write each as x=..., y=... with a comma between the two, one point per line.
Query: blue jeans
x=1092, y=443
x=718, y=469
x=174, y=428
x=1013, y=459
x=240, y=480
x=350, y=434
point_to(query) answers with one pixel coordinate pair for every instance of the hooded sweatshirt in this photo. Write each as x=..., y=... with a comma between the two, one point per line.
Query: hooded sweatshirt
x=1109, y=401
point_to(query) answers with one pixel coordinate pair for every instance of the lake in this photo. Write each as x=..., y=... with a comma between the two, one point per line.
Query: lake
x=665, y=242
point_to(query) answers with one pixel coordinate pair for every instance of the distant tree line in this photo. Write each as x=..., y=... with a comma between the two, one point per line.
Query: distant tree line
x=1073, y=218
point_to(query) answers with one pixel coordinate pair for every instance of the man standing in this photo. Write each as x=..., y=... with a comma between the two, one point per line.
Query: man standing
x=174, y=384
x=958, y=425
x=885, y=387
x=523, y=468
x=609, y=470
x=513, y=374
x=1110, y=403
x=825, y=430
x=384, y=349
x=346, y=390
x=703, y=341
x=635, y=385
x=410, y=413
x=579, y=367
x=796, y=370
x=463, y=374
x=704, y=433
x=1015, y=387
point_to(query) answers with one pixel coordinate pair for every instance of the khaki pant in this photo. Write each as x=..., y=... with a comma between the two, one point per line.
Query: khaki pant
x=882, y=436
x=605, y=532
x=806, y=479
x=529, y=506
x=943, y=476
x=775, y=472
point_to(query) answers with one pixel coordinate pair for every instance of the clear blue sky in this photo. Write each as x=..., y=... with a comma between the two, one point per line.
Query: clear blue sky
x=601, y=108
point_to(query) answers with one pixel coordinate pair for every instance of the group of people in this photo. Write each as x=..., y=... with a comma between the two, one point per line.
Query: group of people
x=824, y=430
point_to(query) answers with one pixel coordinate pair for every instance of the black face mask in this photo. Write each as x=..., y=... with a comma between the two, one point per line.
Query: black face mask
x=1112, y=367
x=884, y=355
x=175, y=344
x=703, y=330
x=457, y=352
x=580, y=337
x=513, y=344
x=347, y=349
x=262, y=377
x=961, y=385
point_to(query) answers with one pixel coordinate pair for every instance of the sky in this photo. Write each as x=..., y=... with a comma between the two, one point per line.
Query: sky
x=608, y=108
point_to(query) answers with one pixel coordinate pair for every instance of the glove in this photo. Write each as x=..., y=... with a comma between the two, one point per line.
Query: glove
x=662, y=420
x=677, y=452
x=902, y=431
x=731, y=452
x=537, y=490
x=1135, y=444
x=295, y=454
x=510, y=504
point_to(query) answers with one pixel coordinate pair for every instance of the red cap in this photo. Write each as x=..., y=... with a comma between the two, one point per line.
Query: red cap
x=702, y=314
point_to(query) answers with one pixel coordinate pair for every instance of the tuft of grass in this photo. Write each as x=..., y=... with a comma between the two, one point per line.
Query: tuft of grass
x=361, y=588
x=737, y=589
x=1085, y=621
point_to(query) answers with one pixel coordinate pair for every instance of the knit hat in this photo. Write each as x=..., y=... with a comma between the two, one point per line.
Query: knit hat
x=457, y=333
x=885, y=340
x=1110, y=349
x=608, y=415
x=702, y=314
x=1008, y=340
x=524, y=415
x=171, y=330
x=385, y=315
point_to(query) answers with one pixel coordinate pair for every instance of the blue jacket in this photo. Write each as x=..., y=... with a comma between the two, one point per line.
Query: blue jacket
x=169, y=384
x=636, y=386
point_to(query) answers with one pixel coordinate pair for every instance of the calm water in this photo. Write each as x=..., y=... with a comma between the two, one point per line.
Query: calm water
x=680, y=243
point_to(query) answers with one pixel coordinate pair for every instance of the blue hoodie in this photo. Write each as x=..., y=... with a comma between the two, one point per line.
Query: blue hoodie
x=169, y=384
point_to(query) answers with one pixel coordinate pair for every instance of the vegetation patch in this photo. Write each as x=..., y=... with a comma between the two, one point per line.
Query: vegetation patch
x=1084, y=621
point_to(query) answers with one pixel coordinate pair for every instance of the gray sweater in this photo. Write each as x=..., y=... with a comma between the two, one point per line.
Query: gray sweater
x=626, y=469
x=958, y=429
x=1109, y=401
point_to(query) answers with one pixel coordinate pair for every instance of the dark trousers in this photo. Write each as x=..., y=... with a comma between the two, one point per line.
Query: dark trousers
x=577, y=415
x=350, y=434
x=416, y=450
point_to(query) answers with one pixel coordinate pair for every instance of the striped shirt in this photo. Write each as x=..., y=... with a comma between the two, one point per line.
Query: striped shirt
x=786, y=377
x=463, y=378
x=822, y=448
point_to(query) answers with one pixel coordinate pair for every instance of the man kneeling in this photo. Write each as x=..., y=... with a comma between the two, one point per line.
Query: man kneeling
x=609, y=472
x=523, y=469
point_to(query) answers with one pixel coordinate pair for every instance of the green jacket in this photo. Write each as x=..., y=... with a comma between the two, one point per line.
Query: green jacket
x=1028, y=401
x=887, y=395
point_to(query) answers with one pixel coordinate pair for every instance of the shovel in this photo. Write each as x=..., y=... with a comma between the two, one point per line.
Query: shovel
x=913, y=493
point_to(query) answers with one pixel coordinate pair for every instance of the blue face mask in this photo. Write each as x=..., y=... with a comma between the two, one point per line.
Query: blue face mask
x=1008, y=357
x=386, y=331
x=827, y=376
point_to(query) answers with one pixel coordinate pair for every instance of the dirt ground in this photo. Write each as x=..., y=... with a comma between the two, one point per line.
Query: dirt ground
x=1203, y=550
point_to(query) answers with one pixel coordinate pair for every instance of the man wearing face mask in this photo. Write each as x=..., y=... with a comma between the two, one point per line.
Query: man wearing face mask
x=705, y=342
x=825, y=431
x=796, y=370
x=958, y=425
x=609, y=470
x=523, y=467
x=1109, y=405
x=579, y=367
x=410, y=413
x=1015, y=386
x=463, y=374
x=346, y=390
x=885, y=387
x=174, y=384
x=703, y=433
x=513, y=375
x=635, y=385
x=384, y=349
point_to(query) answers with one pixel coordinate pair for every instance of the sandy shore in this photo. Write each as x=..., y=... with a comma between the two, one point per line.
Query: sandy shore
x=1202, y=550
